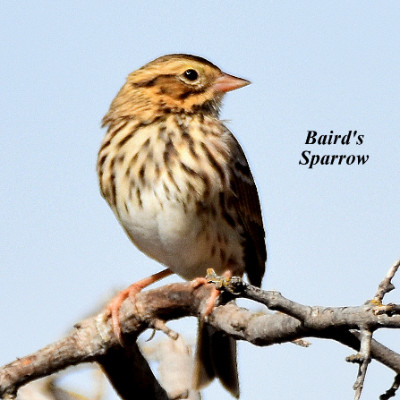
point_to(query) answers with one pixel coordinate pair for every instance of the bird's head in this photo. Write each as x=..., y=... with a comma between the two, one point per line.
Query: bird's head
x=174, y=83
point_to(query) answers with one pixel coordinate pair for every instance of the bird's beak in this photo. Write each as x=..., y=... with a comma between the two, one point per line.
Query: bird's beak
x=226, y=83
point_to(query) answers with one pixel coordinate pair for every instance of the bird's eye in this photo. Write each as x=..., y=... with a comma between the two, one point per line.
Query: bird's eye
x=191, y=74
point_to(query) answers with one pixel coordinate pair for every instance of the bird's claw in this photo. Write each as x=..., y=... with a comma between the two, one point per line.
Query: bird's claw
x=223, y=282
x=218, y=280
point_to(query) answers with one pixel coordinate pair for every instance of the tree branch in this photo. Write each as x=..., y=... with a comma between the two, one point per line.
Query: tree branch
x=93, y=340
x=386, y=285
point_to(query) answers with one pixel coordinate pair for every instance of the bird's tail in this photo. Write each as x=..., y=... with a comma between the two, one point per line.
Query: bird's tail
x=215, y=358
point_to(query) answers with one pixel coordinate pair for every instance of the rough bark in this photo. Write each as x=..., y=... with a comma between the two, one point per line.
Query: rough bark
x=92, y=340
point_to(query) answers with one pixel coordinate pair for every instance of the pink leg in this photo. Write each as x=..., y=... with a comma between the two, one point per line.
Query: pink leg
x=216, y=292
x=211, y=301
x=115, y=304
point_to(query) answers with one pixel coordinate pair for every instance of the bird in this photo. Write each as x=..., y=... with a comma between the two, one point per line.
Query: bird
x=180, y=185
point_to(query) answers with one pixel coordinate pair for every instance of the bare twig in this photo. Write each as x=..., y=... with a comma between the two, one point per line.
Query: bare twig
x=316, y=317
x=363, y=358
x=379, y=352
x=160, y=325
x=393, y=389
x=386, y=285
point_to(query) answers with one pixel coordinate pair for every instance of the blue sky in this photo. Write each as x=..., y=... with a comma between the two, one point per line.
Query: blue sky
x=332, y=231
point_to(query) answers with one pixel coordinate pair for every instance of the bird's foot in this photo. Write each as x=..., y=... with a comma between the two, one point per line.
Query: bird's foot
x=114, y=306
x=218, y=281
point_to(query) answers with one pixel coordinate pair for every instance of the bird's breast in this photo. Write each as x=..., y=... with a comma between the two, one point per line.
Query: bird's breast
x=167, y=182
x=187, y=238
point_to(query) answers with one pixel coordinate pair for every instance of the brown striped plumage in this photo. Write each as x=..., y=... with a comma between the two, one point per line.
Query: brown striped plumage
x=180, y=185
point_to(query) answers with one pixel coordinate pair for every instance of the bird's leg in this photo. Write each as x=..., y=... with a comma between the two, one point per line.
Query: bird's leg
x=219, y=281
x=131, y=291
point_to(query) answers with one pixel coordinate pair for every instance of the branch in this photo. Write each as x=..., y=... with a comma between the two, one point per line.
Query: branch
x=93, y=340
x=386, y=285
x=392, y=391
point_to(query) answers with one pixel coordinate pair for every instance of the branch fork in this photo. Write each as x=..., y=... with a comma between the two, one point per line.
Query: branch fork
x=92, y=339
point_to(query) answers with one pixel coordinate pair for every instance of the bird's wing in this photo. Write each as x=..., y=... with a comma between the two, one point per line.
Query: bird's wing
x=247, y=204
